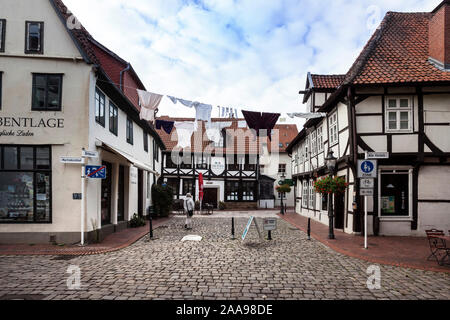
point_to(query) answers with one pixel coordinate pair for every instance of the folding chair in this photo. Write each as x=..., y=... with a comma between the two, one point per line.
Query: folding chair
x=436, y=244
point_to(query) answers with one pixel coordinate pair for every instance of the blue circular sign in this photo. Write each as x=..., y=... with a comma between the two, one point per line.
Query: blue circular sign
x=367, y=167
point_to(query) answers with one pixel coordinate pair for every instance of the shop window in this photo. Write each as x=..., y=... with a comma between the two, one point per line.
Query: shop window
x=232, y=191
x=47, y=92
x=129, y=131
x=2, y=34
x=248, y=191
x=113, y=118
x=34, y=42
x=100, y=107
x=399, y=114
x=395, y=195
x=25, y=184
x=188, y=187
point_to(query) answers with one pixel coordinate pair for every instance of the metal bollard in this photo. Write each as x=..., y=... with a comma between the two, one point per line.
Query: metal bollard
x=232, y=229
x=309, y=228
x=269, y=236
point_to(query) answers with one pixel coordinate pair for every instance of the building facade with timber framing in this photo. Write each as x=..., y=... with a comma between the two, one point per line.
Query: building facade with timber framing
x=395, y=98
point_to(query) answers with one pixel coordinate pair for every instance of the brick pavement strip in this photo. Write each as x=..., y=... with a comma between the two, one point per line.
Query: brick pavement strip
x=289, y=267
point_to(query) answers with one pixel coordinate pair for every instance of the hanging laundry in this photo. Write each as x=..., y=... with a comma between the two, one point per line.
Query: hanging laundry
x=214, y=130
x=186, y=103
x=173, y=99
x=307, y=115
x=149, y=103
x=203, y=112
x=184, y=132
x=167, y=126
x=261, y=121
x=236, y=113
x=223, y=112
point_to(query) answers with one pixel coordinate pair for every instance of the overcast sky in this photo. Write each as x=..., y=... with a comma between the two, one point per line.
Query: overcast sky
x=247, y=54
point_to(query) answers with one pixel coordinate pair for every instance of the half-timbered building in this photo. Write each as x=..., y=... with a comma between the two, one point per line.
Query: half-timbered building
x=396, y=99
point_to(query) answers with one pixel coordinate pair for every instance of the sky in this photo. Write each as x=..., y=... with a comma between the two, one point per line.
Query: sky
x=247, y=54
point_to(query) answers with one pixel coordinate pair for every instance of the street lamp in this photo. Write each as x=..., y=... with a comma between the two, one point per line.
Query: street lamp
x=330, y=162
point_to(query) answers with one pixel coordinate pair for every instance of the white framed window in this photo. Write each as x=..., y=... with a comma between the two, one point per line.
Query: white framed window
x=305, y=194
x=307, y=149
x=311, y=194
x=314, y=143
x=399, y=114
x=333, y=132
x=320, y=139
x=395, y=201
x=2, y=34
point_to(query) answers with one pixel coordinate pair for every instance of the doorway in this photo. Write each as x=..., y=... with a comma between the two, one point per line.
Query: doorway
x=140, y=193
x=106, y=195
x=210, y=196
x=121, y=195
x=339, y=208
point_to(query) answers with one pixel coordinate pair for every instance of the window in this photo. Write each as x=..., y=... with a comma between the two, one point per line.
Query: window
x=398, y=114
x=395, y=191
x=314, y=142
x=156, y=151
x=129, y=131
x=324, y=202
x=319, y=140
x=2, y=34
x=282, y=168
x=113, y=118
x=25, y=184
x=305, y=194
x=100, y=107
x=333, y=125
x=311, y=195
x=34, y=37
x=202, y=163
x=233, y=164
x=174, y=184
x=145, y=141
x=47, y=92
x=306, y=149
x=250, y=162
x=232, y=191
x=248, y=190
x=188, y=187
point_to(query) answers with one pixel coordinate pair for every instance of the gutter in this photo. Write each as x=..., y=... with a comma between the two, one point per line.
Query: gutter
x=121, y=75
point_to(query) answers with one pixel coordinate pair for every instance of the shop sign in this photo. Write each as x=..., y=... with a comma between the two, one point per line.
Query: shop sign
x=217, y=165
x=21, y=126
x=133, y=175
x=72, y=160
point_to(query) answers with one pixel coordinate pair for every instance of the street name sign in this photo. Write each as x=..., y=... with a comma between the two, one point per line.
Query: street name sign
x=377, y=155
x=72, y=160
x=367, y=168
x=89, y=154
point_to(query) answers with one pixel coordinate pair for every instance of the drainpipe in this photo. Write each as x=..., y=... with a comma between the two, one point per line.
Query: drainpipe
x=121, y=75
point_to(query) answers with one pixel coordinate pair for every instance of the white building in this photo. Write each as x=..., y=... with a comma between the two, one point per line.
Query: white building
x=397, y=103
x=61, y=92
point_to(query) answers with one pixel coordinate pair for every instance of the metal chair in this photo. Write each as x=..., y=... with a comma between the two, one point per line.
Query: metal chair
x=437, y=245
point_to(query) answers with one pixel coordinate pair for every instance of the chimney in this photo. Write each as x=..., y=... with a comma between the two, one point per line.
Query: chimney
x=439, y=36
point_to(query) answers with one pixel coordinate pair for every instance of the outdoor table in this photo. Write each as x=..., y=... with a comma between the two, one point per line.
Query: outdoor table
x=447, y=240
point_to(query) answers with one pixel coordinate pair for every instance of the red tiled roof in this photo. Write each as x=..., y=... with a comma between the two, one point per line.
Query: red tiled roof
x=287, y=132
x=327, y=81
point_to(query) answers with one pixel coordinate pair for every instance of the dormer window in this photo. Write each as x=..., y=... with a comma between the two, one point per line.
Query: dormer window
x=2, y=34
x=34, y=41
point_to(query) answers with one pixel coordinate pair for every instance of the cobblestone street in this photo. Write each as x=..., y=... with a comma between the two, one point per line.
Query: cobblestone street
x=289, y=267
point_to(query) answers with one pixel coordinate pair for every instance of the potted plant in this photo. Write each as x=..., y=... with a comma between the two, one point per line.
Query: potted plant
x=330, y=185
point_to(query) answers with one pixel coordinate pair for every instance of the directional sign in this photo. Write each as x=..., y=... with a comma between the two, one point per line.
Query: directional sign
x=73, y=160
x=96, y=172
x=89, y=154
x=367, y=168
x=367, y=183
x=377, y=155
x=366, y=192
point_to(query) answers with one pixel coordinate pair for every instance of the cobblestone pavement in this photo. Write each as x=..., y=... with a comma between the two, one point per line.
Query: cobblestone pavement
x=289, y=267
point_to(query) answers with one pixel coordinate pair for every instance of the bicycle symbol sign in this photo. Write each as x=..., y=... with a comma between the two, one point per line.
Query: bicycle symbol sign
x=367, y=169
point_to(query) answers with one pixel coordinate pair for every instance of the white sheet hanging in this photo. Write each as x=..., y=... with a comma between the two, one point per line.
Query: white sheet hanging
x=214, y=130
x=307, y=115
x=184, y=132
x=149, y=103
x=203, y=112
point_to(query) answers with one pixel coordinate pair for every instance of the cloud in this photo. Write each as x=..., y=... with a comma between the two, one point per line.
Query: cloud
x=242, y=53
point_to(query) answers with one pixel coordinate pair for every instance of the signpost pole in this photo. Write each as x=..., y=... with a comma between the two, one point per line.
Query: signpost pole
x=82, y=203
x=365, y=223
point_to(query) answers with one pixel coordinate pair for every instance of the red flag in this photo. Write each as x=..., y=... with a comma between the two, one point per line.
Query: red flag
x=200, y=186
